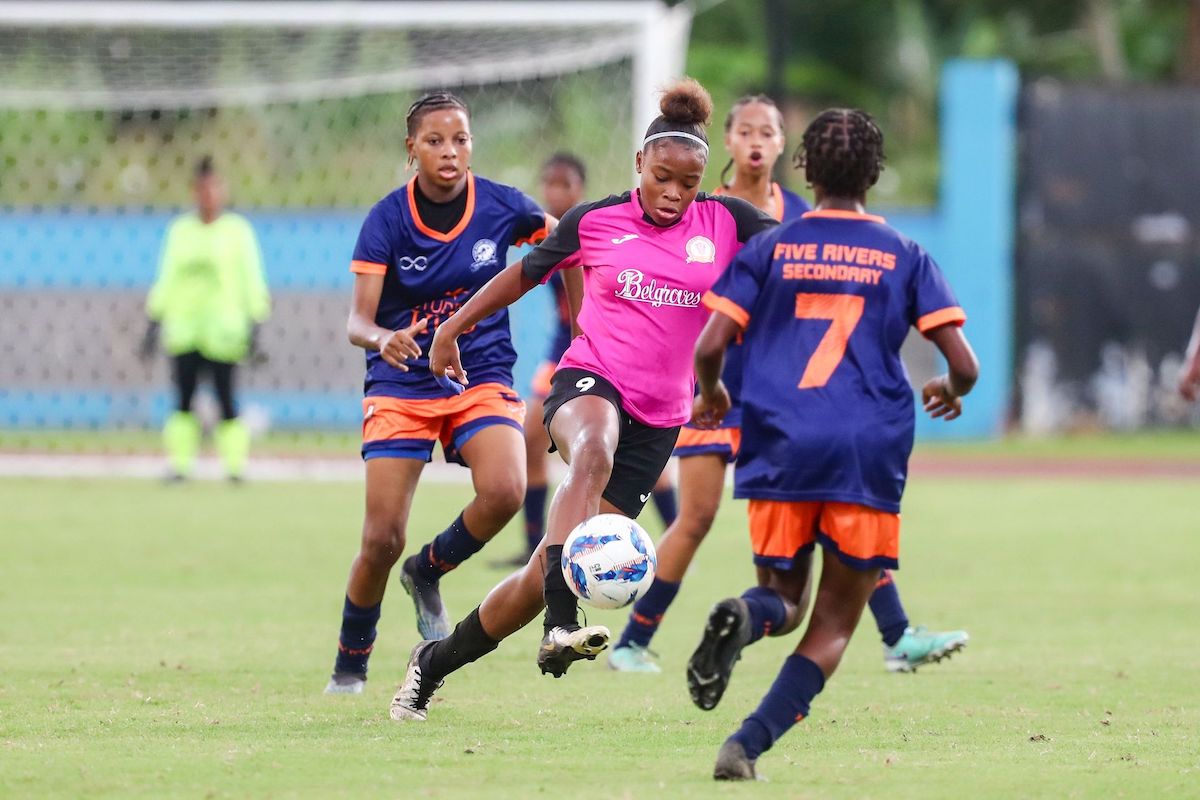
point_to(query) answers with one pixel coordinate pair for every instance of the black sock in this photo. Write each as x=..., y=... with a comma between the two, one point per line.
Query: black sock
x=468, y=643
x=562, y=609
x=357, y=638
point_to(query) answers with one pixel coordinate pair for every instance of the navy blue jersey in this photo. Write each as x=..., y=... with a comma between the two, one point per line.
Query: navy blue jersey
x=562, y=327
x=430, y=275
x=825, y=303
x=788, y=206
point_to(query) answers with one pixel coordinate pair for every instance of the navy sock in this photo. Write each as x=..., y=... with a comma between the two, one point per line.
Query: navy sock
x=667, y=505
x=357, y=638
x=648, y=612
x=768, y=612
x=784, y=705
x=562, y=607
x=535, y=515
x=887, y=609
x=448, y=549
x=468, y=642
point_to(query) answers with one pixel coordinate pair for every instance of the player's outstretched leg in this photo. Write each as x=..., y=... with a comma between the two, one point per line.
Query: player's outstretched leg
x=841, y=597
x=586, y=430
x=773, y=608
x=906, y=647
x=495, y=455
x=391, y=483
x=564, y=641
x=701, y=481
x=514, y=603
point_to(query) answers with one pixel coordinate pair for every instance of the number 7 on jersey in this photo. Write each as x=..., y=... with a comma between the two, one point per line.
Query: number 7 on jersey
x=844, y=311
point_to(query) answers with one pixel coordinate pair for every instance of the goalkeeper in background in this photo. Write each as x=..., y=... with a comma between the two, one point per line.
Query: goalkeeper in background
x=207, y=302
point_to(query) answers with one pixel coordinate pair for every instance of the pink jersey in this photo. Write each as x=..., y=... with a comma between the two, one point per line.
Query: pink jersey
x=642, y=306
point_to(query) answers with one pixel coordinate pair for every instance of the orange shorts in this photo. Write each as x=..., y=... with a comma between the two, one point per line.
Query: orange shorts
x=400, y=427
x=861, y=537
x=539, y=387
x=721, y=442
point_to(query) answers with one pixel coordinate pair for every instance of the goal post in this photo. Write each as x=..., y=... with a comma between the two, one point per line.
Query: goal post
x=105, y=107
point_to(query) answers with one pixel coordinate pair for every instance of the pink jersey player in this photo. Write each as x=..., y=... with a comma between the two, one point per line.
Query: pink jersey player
x=623, y=388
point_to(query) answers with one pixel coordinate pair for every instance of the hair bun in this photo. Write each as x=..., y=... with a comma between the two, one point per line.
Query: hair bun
x=686, y=102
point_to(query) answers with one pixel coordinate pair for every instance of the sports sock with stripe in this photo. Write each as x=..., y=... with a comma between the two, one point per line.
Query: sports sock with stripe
x=768, y=611
x=448, y=549
x=785, y=704
x=887, y=609
x=357, y=638
x=648, y=612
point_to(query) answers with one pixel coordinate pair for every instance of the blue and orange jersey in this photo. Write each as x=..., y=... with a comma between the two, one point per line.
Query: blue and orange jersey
x=788, y=206
x=562, y=327
x=430, y=274
x=825, y=302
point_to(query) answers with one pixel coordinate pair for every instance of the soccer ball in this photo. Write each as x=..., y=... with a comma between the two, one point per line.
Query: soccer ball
x=609, y=561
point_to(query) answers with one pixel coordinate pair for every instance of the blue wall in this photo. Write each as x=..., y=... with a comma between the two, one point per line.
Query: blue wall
x=970, y=233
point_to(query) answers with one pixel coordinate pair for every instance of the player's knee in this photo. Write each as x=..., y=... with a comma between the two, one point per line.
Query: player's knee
x=696, y=521
x=502, y=493
x=592, y=459
x=382, y=543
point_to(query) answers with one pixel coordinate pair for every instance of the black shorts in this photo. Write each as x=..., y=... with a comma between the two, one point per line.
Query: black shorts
x=642, y=451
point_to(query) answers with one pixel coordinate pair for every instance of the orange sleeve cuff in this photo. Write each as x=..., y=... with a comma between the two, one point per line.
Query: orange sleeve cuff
x=368, y=268
x=714, y=302
x=944, y=316
x=534, y=238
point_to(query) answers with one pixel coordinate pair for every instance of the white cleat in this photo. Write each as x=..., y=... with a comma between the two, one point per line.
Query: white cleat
x=346, y=683
x=411, y=702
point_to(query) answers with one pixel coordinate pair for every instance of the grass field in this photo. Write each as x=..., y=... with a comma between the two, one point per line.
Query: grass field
x=173, y=641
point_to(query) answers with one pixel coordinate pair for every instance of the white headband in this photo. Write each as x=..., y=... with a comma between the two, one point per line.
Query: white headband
x=681, y=134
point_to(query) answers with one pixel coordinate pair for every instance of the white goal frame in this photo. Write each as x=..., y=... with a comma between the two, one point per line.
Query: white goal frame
x=658, y=54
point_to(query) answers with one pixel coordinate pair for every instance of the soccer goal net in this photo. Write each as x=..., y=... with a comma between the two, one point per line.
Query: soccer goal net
x=105, y=107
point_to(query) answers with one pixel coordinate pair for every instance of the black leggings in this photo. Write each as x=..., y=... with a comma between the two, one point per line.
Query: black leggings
x=186, y=371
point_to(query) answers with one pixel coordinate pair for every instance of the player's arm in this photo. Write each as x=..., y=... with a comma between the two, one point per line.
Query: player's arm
x=161, y=292
x=573, y=285
x=712, y=404
x=1189, y=373
x=500, y=292
x=395, y=347
x=559, y=250
x=943, y=395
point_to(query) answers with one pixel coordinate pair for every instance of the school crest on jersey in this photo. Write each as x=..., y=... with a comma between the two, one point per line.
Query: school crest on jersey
x=701, y=250
x=483, y=254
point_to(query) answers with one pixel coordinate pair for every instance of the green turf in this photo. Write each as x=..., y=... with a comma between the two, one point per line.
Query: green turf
x=1160, y=444
x=173, y=641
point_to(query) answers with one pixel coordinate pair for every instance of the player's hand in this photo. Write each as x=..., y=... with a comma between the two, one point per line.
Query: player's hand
x=1189, y=382
x=709, y=410
x=399, y=346
x=444, y=359
x=149, y=343
x=254, y=352
x=939, y=400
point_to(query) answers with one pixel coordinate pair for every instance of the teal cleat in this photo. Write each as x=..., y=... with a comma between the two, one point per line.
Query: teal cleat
x=633, y=658
x=919, y=646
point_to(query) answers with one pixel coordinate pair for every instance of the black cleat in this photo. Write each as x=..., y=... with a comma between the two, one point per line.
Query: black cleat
x=561, y=646
x=725, y=634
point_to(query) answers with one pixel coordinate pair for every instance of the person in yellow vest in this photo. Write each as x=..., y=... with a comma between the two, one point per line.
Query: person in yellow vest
x=205, y=308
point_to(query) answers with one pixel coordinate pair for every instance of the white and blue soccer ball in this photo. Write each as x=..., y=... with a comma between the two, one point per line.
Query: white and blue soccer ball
x=609, y=561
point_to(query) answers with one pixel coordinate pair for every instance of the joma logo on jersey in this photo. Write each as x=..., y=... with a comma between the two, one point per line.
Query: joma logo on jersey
x=634, y=286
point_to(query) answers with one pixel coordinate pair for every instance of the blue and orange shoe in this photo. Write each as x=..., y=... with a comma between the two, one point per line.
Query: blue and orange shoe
x=433, y=621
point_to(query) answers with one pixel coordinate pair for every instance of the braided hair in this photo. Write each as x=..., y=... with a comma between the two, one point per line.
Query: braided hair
x=738, y=105
x=432, y=101
x=842, y=152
